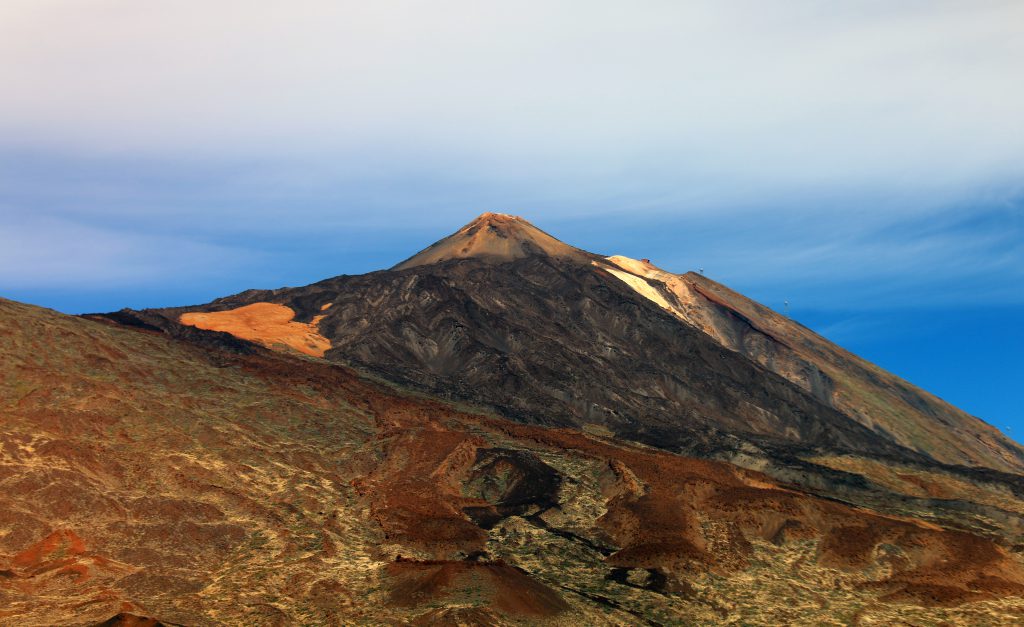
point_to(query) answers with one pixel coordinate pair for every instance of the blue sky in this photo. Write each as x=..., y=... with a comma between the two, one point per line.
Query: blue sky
x=863, y=162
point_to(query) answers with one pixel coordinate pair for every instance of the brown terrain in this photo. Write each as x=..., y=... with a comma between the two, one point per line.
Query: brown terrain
x=146, y=478
x=503, y=430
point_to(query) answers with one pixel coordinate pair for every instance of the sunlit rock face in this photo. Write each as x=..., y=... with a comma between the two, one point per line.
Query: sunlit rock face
x=496, y=238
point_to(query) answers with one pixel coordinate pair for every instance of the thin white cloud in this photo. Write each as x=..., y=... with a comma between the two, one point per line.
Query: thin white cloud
x=739, y=97
x=296, y=123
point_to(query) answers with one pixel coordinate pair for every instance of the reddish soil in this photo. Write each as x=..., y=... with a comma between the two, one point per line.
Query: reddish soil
x=656, y=528
x=657, y=504
x=63, y=540
x=171, y=487
x=125, y=619
x=415, y=492
x=500, y=586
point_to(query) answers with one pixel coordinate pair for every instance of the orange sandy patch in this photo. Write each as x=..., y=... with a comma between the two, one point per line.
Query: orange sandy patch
x=269, y=324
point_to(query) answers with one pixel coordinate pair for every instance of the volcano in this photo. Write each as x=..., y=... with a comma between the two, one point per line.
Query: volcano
x=501, y=429
x=505, y=316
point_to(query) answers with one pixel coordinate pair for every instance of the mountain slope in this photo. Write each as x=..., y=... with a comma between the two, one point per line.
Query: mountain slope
x=877, y=399
x=203, y=480
x=504, y=315
x=553, y=342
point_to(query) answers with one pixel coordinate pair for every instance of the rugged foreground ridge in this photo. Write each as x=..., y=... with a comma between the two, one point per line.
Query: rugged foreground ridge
x=211, y=482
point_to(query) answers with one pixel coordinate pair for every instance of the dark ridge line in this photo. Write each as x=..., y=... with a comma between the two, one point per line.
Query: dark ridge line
x=603, y=600
x=537, y=521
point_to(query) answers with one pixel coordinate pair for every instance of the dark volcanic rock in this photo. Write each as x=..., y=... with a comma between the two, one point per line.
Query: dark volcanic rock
x=556, y=342
x=505, y=316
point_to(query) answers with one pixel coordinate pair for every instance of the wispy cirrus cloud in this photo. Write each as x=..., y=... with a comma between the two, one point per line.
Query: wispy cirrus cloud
x=790, y=148
x=732, y=100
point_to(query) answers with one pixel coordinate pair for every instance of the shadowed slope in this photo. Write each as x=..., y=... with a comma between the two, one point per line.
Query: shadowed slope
x=876, y=398
x=557, y=342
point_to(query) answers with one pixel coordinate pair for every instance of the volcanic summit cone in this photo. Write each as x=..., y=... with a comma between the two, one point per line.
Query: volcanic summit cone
x=496, y=238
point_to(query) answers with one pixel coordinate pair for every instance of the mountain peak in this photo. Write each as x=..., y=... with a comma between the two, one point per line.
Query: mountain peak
x=497, y=237
x=490, y=217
